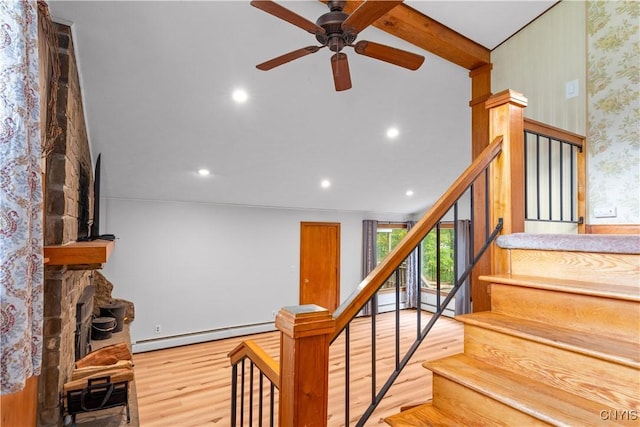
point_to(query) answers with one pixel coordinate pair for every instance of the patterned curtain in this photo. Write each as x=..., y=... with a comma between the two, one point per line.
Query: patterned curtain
x=413, y=275
x=21, y=268
x=369, y=255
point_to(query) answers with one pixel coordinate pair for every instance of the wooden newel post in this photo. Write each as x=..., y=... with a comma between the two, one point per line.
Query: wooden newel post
x=305, y=333
x=506, y=197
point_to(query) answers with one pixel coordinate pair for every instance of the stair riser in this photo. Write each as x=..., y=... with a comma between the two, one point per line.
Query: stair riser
x=603, y=316
x=589, y=377
x=475, y=408
x=607, y=268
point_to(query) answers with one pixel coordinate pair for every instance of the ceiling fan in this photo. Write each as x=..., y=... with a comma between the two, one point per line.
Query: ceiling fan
x=337, y=30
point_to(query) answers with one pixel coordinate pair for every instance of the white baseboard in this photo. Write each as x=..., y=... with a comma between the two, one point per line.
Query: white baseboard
x=199, y=337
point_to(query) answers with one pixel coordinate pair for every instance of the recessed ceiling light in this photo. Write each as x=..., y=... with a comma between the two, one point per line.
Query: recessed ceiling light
x=325, y=183
x=409, y=193
x=392, y=132
x=204, y=172
x=240, y=95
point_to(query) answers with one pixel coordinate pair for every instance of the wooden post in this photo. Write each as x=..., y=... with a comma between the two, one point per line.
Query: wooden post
x=480, y=92
x=506, y=198
x=305, y=333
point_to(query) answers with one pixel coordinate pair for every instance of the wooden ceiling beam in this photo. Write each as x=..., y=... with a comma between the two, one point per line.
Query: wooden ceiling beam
x=416, y=28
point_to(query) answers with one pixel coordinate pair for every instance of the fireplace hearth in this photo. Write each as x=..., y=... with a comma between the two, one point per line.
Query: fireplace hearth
x=84, y=316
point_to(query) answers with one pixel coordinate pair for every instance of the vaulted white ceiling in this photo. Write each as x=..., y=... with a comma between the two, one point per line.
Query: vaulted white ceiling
x=157, y=79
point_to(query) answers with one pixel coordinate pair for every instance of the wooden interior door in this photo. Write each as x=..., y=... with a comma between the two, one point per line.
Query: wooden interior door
x=320, y=264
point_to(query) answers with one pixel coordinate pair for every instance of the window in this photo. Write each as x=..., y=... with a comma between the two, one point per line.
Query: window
x=388, y=236
x=429, y=262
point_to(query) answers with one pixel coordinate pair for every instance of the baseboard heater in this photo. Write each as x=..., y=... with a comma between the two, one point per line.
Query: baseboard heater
x=201, y=336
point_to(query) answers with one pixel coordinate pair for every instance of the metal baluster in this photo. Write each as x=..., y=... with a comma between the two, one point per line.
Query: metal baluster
x=397, y=317
x=419, y=280
x=526, y=175
x=347, y=364
x=561, y=181
x=271, y=406
x=251, y=393
x=455, y=244
x=472, y=217
x=374, y=309
x=438, y=265
x=486, y=204
x=550, y=172
x=261, y=384
x=234, y=393
x=572, y=171
x=242, y=393
x=537, y=176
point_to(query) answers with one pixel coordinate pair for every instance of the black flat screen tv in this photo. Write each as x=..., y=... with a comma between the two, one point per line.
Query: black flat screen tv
x=95, y=225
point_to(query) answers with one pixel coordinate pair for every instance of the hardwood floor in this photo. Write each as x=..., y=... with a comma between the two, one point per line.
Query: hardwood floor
x=190, y=385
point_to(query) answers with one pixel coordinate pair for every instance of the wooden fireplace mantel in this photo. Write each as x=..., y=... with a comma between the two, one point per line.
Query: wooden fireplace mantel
x=92, y=253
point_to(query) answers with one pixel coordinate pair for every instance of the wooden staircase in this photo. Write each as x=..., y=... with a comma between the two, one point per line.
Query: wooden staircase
x=560, y=346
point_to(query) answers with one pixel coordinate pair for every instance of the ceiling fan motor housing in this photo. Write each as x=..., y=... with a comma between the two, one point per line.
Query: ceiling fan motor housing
x=335, y=38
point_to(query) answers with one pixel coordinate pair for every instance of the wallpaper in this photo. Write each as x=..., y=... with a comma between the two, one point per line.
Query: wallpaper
x=613, y=105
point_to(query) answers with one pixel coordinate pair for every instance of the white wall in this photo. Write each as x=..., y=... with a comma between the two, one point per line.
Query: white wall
x=539, y=60
x=213, y=271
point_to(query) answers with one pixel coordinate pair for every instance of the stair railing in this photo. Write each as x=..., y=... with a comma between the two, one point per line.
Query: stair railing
x=367, y=293
x=555, y=174
x=307, y=331
x=248, y=362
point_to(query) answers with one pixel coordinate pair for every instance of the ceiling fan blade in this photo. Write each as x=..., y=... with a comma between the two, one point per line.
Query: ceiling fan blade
x=287, y=57
x=366, y=14
x=341, y=76
x=285, y=14
x=389, y=54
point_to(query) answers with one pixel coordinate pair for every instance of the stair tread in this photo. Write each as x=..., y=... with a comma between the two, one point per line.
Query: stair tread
x=606, y=290
x=536, y=399
x=603, y=347
x=425, y=415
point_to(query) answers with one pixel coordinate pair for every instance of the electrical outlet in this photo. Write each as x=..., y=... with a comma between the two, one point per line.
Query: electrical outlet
x=607, y=212
x=157, y=329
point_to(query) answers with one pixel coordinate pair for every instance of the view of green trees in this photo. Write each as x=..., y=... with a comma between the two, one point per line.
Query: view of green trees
x=429, y=257
x=388, y=238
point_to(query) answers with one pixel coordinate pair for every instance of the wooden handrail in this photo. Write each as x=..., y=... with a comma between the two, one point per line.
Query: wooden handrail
x=265, y=363
x=370, y=285
x=554, y=132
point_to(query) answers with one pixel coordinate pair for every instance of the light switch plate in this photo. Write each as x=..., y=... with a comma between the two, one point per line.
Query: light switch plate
x=571, y=89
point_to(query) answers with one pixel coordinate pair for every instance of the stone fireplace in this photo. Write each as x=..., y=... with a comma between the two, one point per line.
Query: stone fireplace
x=73, y=291
x=67, y=180
x=69, y=289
